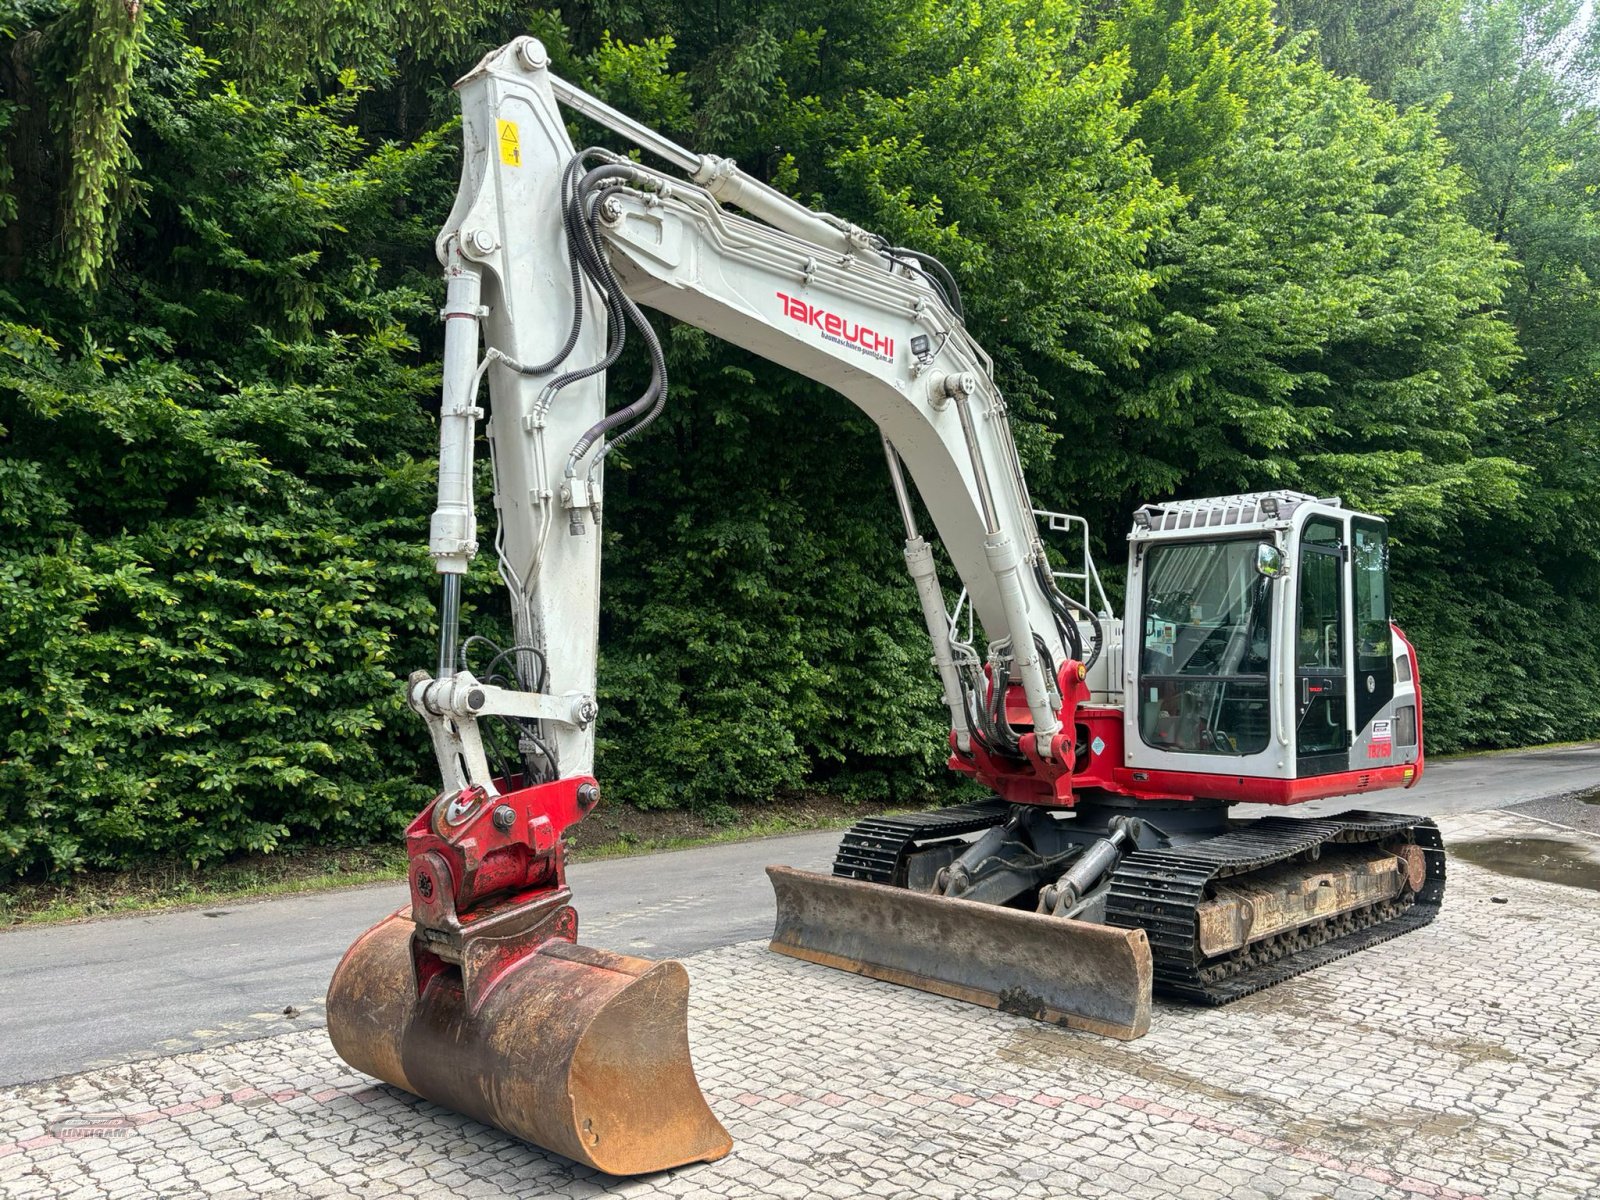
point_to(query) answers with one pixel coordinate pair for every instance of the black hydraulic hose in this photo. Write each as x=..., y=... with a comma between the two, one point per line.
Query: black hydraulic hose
x=977, y=718
x=1069, y=629
x=554, y=771
x=590, y=260
x=524, y=730
x=1043, y=648
x=1069, y=626
x=654, y=398
x=466, y=649
x=568, y=174
x=658, y=383
x=1000, y=685
x=577, y=282
x=1094, y=623
x=1029, y=859
x=1065, y=625
x=580, y=235
x=538, y=681
x=597, y=268
x=499, y=655
x=650, y=416
x=944, y=280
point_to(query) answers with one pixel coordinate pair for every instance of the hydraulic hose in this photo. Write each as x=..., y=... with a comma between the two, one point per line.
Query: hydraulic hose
x=577, y=284
x=574, y=165
x=1094, y=623
x=1065, y=625
x=1064, y=619
x=648, y=405
x=594, y=264
x=945, y=281
x=1000, y=685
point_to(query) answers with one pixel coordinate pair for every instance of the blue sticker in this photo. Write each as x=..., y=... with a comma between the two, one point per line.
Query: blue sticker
x=1098, y=745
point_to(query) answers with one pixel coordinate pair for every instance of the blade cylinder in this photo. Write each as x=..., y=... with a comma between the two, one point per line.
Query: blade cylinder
x=1070, y=973
x=579, y=1051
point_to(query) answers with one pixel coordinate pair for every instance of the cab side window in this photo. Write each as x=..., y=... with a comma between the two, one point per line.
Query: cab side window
x=1321, y=735
x=1369, y=564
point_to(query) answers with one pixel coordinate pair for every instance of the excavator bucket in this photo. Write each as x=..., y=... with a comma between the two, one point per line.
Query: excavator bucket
x=1070, y=973
x=580, y=1051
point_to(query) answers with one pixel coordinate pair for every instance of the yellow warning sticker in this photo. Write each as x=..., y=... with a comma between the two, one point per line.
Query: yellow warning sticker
x=510, y=143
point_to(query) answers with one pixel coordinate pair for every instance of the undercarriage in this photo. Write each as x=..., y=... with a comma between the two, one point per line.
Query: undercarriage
x=1226, y=906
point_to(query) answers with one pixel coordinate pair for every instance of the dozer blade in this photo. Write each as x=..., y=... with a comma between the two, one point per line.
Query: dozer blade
x=1091, y=977
x=580, y=1051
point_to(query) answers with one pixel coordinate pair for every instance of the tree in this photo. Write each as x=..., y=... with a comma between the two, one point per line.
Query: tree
x=213, y=486
x=755, y=579
x=67, y=79
x=1377, y=40
x=1516, y=85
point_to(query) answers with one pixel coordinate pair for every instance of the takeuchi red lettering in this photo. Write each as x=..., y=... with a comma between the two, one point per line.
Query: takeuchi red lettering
x=835, y=326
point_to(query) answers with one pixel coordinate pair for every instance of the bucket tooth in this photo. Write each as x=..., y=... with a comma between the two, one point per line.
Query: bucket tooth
x=1071, y=973
x=577, y=1050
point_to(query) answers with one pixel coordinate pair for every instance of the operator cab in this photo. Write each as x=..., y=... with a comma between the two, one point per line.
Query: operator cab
x=1263, y=650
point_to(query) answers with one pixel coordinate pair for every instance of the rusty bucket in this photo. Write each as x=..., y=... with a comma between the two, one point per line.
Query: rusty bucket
x=579, y=1051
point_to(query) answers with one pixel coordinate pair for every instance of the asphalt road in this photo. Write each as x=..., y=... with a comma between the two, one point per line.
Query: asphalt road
x=90, y=994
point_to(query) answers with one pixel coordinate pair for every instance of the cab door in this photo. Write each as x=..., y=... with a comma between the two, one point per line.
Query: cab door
x=1321, y=650
x=1373, y=642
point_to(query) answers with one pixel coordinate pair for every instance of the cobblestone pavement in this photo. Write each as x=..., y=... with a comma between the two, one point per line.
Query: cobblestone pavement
x=1462, y=1060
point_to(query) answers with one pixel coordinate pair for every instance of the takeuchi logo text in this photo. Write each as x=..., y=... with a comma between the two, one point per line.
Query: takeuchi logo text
x=835, y=328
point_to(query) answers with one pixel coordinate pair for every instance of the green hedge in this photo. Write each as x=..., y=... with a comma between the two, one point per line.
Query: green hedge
x=1202, y=261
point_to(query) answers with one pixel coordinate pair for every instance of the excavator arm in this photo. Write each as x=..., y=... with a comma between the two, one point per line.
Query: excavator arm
x=838, y=305
x=548, y=255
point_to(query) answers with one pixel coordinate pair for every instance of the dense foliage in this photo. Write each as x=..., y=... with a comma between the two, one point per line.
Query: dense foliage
x=1211, y=246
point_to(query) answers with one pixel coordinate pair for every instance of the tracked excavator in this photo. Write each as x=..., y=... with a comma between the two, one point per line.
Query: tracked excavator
x=1255, y=662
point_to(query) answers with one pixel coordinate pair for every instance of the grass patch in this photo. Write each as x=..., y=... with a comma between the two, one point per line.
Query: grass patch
x=1509, y=750
x=162, y=885
x=626, y=844
x=608, y=833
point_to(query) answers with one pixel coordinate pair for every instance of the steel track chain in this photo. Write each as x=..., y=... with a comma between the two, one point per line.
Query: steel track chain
x=1160, y=890
x=875, y=848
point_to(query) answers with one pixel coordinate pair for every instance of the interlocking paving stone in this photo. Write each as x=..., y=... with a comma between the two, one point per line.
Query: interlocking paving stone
x=1459, y=1061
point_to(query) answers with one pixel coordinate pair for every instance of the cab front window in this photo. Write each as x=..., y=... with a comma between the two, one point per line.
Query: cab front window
x=1205, y=649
